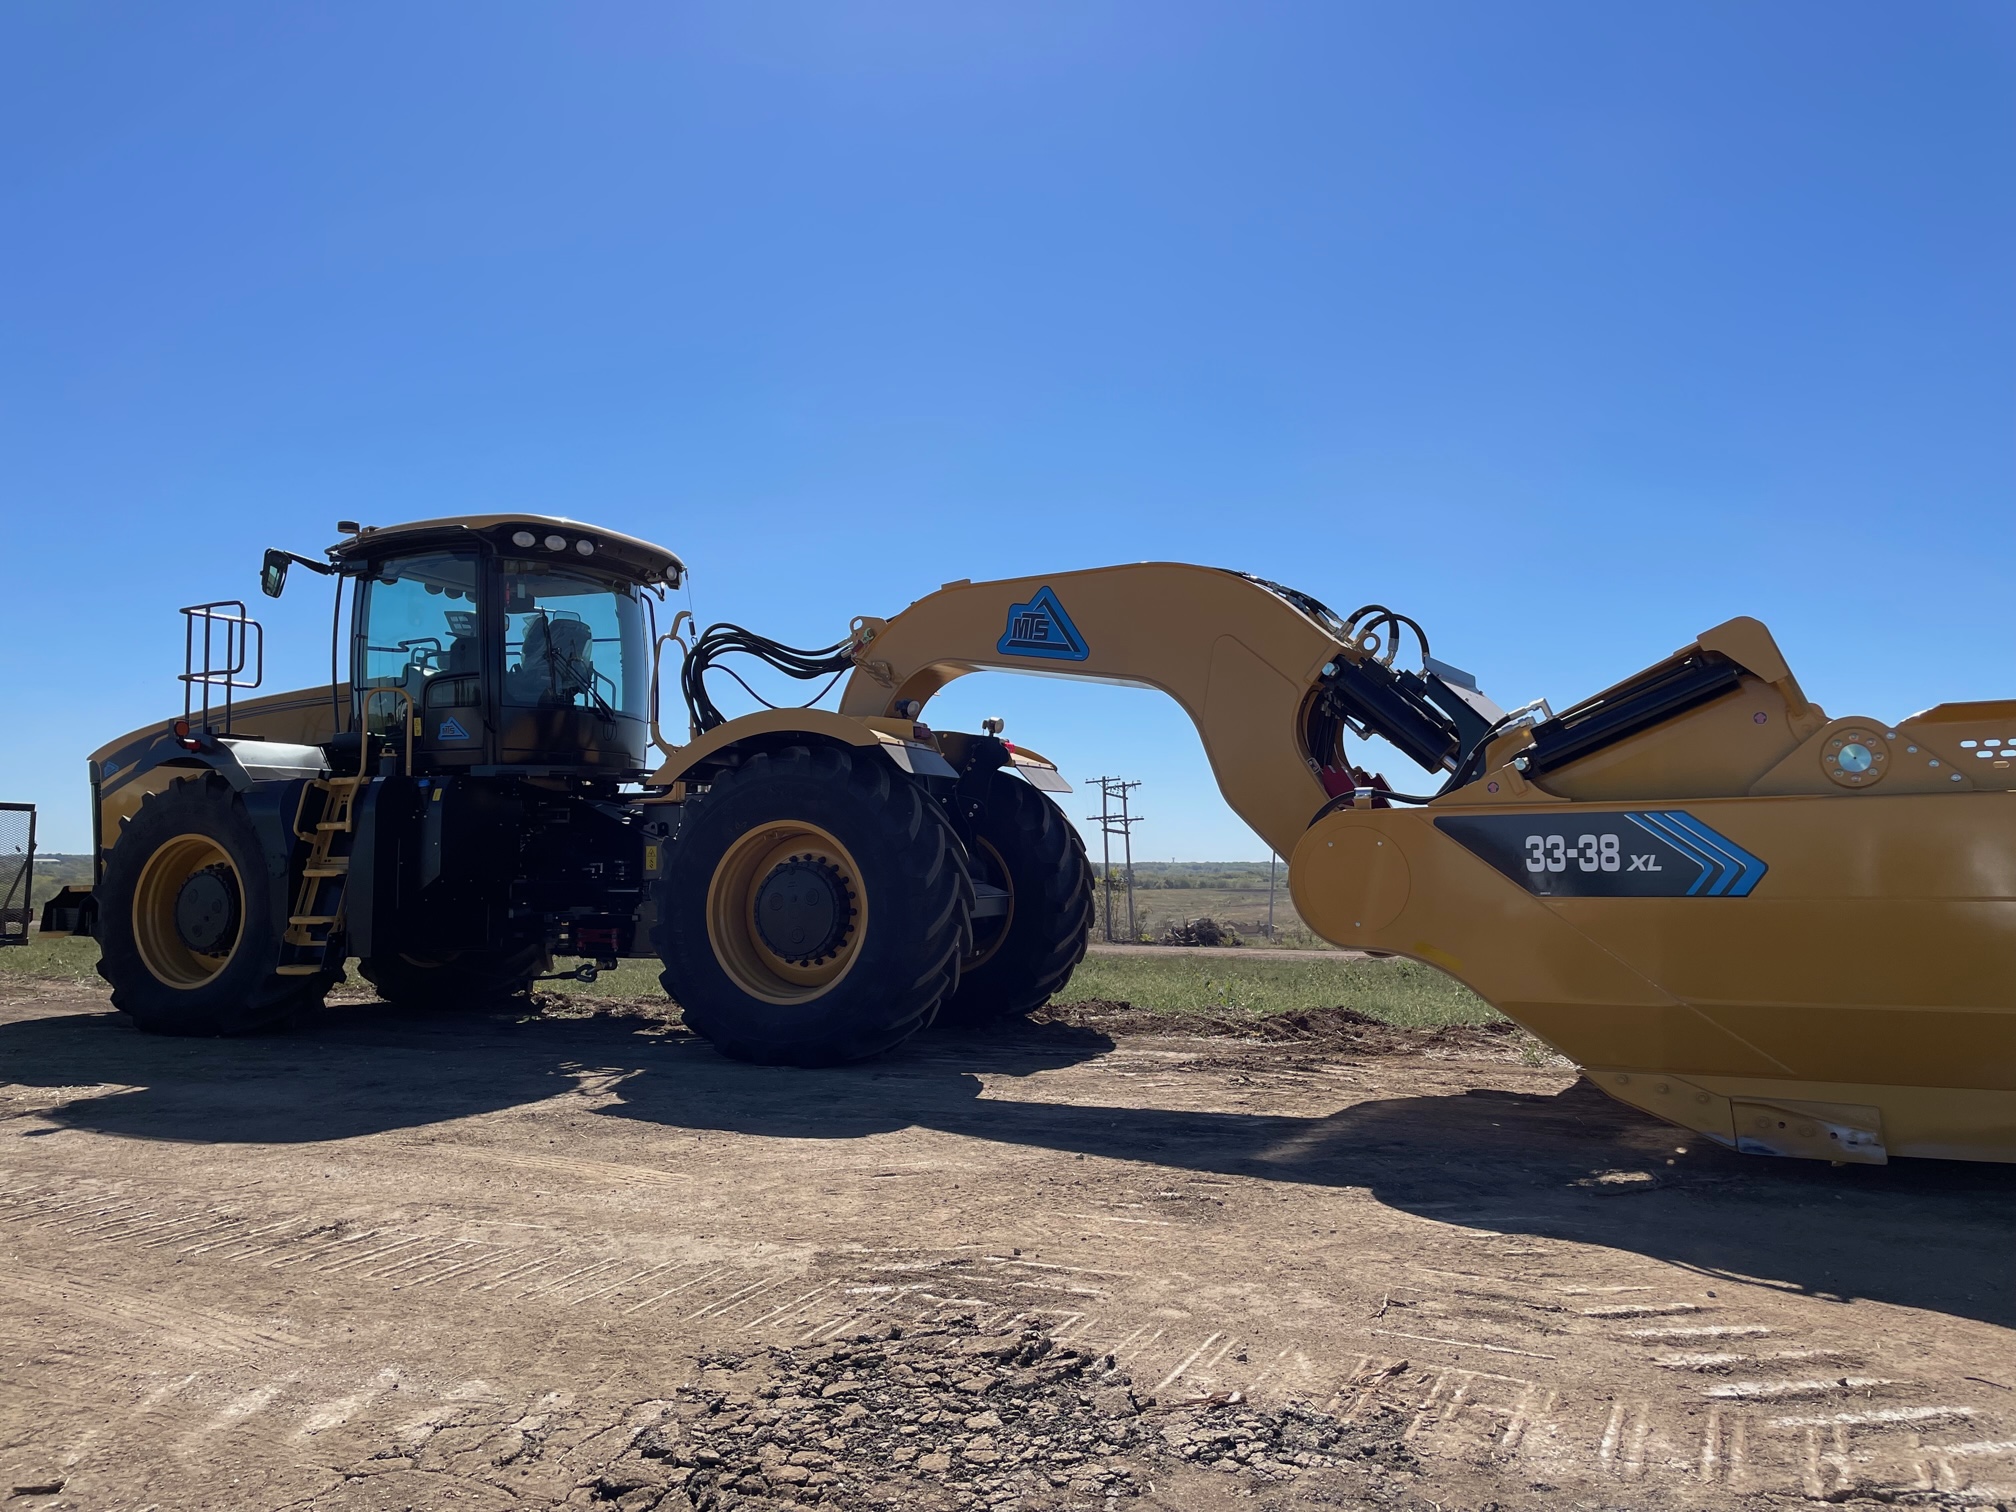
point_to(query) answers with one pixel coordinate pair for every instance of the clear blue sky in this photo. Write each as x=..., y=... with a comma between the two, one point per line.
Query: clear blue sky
x=1571, y=329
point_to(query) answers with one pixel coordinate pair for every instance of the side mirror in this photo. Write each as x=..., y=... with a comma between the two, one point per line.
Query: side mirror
x=273, y=573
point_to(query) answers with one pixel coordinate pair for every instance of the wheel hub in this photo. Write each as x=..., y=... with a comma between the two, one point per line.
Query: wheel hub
x=804, y=910
x=206, y=911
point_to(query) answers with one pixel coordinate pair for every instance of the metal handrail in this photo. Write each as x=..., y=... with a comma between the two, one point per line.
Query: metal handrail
x=657, y=654
x=223, y=666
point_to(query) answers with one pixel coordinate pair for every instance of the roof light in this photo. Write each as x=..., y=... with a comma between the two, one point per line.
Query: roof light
x=524, y=538
x=586, y=548
x=556, y=543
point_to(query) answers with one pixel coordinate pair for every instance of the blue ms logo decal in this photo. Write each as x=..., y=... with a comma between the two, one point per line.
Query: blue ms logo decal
x=1042, y=628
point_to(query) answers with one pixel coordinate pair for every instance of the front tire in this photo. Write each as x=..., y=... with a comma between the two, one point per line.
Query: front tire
x=1023, y=842
x=814, y=910
x=190, y=918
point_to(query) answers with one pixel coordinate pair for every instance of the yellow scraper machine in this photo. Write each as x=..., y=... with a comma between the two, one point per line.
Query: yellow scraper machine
x=1793, y=934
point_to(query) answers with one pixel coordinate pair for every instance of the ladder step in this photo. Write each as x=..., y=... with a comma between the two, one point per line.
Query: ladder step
x=312, y=919
x=334, y=824
x=295, y=970
x=328, y=866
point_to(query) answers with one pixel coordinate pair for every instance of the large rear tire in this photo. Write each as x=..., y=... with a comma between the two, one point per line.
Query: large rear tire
x=1023, y=842
x=815, y=909
x=190, y=918
x=453, y=980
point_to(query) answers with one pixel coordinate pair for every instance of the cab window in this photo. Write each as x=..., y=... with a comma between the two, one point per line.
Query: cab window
x=572, y=640
x=421, y=623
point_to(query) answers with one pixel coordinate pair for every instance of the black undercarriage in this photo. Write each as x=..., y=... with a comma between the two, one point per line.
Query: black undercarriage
x=495, y=864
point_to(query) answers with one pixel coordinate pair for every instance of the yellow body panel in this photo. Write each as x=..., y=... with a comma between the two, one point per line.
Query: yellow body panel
x=821, y=722
x=302, y=716
x=1874, y=964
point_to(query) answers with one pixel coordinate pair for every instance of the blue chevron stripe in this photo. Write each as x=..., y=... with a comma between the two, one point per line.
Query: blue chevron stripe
x=1718, y=867
x=1727, y=867
x=1752, y=869
x=1653, y=824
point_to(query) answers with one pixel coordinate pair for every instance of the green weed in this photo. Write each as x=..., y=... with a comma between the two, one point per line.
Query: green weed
x=59, y=960
x=1399, y=992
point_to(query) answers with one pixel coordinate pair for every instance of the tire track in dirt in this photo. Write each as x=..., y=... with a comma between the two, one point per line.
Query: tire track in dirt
x=559, y=1165
x=194, y=1328
x=1728, y=1427
x=566, y=1274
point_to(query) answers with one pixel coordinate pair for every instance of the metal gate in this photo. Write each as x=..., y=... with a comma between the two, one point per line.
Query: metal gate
x=17, y=871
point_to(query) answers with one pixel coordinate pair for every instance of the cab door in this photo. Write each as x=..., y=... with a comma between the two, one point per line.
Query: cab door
x=419, y=652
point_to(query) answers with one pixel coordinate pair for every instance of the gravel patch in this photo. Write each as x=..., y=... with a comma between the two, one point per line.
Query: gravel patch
x=948, y=1416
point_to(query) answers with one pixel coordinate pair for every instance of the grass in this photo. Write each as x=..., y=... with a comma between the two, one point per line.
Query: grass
x=50, y=961
x=54, y=869
x=1404, y=993
x=1400, y=992
x=630, y=979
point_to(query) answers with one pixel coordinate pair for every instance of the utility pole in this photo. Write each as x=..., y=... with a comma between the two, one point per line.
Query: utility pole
x=1115, y=818
x=1127, y=850
x=1106, y=860
x=1271, y=859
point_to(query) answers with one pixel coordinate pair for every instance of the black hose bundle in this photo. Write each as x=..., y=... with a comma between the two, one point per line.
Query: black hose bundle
x=717, y=641
x=1373, y=618
x=1314, y=607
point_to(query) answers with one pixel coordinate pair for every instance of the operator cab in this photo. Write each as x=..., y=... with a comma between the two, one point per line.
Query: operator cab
x=517, y=643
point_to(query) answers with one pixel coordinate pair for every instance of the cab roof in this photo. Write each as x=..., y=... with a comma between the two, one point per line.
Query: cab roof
x=628, y=555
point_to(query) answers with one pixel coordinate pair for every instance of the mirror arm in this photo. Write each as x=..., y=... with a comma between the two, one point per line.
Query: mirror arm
x=273, y=570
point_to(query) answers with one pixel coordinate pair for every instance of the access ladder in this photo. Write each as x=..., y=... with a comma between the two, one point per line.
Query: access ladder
x=315, y=926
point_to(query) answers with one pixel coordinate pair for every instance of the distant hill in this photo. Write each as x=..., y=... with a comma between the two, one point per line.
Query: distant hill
x=54, y=870
x=1205, y=874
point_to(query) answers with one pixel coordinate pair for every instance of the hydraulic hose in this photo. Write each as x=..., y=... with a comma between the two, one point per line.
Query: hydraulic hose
x=717, y=641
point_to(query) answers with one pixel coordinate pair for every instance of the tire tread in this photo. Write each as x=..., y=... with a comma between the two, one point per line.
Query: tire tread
x=1041, y=962
x=887, y=1018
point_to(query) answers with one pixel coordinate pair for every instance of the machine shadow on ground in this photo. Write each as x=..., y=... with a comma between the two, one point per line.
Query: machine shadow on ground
x=1508, y=1161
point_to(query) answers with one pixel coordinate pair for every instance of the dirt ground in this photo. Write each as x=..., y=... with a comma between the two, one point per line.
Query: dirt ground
x=524, y=1261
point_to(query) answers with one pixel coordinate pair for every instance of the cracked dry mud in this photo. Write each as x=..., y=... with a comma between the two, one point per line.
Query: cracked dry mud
x=531, y=1261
